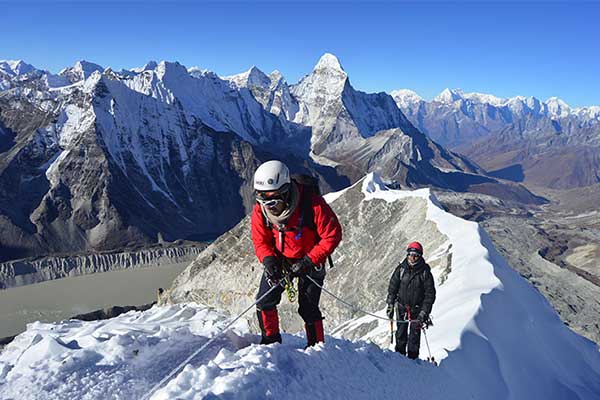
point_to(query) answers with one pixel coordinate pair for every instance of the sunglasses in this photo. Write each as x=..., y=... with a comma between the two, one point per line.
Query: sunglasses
x=414, y=254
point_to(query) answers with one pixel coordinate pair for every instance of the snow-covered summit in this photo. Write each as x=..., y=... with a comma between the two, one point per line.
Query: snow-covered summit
x=252, y=77
x=150, y=65
x=557, y=107
x=80, y=71
x=406, y=97
x=16, y=67
x=276, y=76
x=330, y=62
x=449, y=95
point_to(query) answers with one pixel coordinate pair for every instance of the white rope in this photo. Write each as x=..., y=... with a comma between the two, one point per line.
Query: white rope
x=204, y=346
x=355, y=308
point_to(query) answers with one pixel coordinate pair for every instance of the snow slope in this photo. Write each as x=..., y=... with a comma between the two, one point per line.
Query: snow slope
x=496, y=337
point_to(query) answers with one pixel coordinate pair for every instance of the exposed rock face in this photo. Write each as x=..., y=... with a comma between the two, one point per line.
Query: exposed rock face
x=521, y=139
x=25, y=272
x=227, y=273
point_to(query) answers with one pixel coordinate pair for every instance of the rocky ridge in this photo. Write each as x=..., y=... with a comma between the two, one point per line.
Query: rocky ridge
x=226, y=274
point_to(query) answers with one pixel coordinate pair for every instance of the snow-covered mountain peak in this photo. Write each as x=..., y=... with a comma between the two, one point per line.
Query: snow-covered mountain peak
x=197, y=72
x=405, y=93
x=87, y=67
x=170, y=69
x=276, y=76
x=484, y=98
x=149, y=66
x=80, y=71
x=406, y=97
x=16, y=67
x=557, y=107
x=330, y=62
x=449, y=96
x=253, y=77
x=257, y=77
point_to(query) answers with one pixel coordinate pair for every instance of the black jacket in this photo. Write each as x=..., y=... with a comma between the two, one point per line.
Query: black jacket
x=412, y=286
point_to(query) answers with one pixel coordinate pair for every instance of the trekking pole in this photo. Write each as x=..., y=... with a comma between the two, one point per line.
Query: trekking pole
x=205, y=345
x=431, y=359
x=391, y=331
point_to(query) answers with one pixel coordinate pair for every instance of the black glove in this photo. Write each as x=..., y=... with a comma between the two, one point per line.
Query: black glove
x=422, y=317
x=302, y=267
x=390, y=311
x=272, y=268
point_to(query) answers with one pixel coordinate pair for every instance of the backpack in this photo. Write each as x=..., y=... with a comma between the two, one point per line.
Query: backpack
x=307, y=216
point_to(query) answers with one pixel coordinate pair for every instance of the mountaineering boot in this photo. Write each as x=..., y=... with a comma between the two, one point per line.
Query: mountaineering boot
x=314, y=333
x=268, y=320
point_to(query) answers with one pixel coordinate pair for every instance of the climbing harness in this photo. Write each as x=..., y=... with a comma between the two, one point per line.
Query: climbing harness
x=205, y=345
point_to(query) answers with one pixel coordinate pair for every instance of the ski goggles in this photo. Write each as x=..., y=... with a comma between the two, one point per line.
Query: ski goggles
x=269, y=203
x=271, y=199
x=414, y=254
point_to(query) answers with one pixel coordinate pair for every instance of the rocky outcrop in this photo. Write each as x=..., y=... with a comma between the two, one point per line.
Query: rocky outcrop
x=25, y=272
x=226, y=274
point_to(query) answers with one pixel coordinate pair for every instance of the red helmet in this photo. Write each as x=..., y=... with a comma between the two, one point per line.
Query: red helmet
x=415, y=246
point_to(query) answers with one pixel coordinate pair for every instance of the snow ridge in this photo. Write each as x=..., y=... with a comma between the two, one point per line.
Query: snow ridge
x=485, y=351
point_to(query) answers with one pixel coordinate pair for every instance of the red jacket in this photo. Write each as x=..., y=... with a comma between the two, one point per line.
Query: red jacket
x=317, y=245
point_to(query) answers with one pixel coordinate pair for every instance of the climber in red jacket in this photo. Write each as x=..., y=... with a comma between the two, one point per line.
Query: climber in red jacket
x=294, y=231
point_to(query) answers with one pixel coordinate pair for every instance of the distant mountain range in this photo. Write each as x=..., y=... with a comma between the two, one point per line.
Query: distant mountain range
x=95, y=159
x=523, y=139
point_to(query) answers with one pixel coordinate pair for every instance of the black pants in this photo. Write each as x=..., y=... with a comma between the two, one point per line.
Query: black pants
x=308, y=297
x=406, y=340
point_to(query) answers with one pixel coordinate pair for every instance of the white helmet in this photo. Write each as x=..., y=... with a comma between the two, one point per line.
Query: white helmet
x=271, y=176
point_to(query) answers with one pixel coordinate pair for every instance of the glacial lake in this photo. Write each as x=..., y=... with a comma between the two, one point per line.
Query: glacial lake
x=63, y=298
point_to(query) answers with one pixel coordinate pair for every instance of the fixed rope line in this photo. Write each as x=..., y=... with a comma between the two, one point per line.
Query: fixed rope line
x=205, y=345
x=355, y=308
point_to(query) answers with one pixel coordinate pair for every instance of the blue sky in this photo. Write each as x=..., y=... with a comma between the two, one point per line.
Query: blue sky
x=540, y=49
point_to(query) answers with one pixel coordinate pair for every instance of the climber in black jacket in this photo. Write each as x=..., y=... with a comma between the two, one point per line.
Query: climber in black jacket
x=411, y=293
